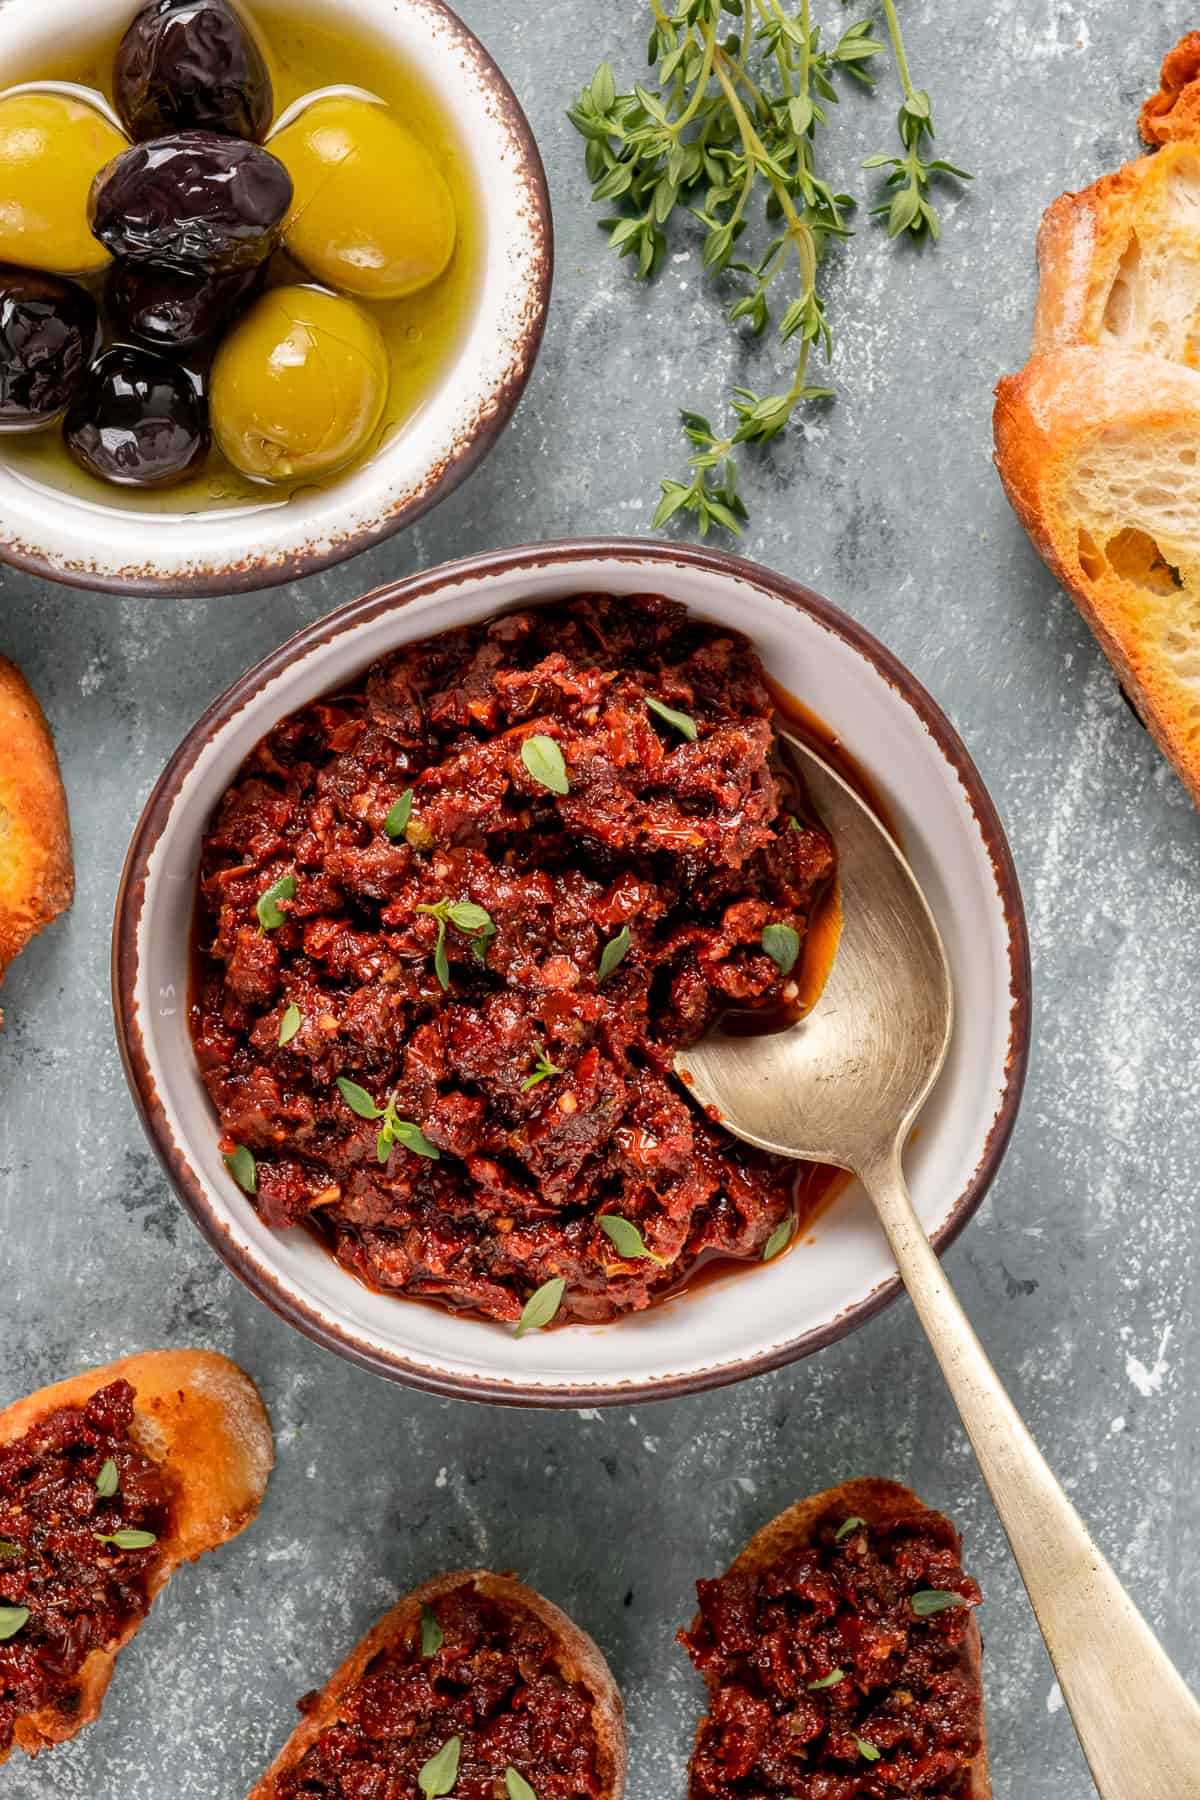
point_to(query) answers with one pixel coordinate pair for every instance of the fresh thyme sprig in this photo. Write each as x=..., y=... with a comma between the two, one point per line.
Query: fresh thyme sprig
x=908, y=206
x=735, y=117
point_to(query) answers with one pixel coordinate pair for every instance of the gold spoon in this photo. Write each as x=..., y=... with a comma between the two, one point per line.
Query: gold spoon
x=844, y=1086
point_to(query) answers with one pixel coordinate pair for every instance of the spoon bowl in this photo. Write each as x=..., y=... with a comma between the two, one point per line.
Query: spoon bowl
x=854, y=1072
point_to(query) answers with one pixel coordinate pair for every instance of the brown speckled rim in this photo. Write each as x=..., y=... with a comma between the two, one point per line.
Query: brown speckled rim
x=598, y=551
x=472, y=444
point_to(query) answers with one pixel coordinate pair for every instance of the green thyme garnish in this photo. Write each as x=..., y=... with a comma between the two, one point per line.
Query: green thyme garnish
x=108, y=1480
x=684, y=724
x=466, y=917
x=516, y=1785
x=543, y=1069
x=541, y=1306
x=614, y=953
x=934, y=1600
x=628, y=1240
x=432, y=1635
x=244, y=1169
x=127, y=1539
x=865, y=1750
x=397, y=820
x=440, y=1773
x=393, y=1129
x=779, y=1239
x=270, y=914
x=290, y=1024
x=728, y=129
x=844, y=1530
x=827, y=1681
x=12, y=1618
x=782, y=945
x=543, y=758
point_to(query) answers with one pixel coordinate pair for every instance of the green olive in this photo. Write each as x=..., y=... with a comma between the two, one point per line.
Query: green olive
x=51, y=149
x=299, y=385
x=371, y=213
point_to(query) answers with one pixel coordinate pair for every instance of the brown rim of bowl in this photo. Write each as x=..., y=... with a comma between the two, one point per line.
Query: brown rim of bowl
x=471, y=447
x=391, y=598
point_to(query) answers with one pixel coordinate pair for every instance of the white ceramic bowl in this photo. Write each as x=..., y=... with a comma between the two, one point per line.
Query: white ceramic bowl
x=751, y=1318
x=51, y=532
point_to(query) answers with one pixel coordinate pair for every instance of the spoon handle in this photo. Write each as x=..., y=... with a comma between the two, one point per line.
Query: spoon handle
x=1138, y=1723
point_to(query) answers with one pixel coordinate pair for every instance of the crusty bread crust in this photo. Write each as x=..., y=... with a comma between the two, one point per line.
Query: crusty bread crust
x=1174, y=111
x=200, y=1418
x=1046, y=419
x=878, y=1502
x=36, y=876
x=581, y=1661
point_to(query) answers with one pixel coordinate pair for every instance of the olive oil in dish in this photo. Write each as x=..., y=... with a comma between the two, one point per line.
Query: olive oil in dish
x=307, y=50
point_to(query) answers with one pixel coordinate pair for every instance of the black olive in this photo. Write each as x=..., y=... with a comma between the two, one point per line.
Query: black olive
x=48, y=333
x=191, y=64
x=194, y=200
x=138, y=420
x=174, y=309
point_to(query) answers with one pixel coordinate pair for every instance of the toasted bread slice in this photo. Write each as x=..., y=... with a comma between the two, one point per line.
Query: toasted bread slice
x=580, y=1659
x=36, y=877
x=1174, y=111
x=201, y=1419
x=1119, y=263
x=876, y=1502
x=1099, y=451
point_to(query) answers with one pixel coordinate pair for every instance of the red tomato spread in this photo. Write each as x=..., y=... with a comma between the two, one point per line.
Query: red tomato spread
x=490, y=1697
x=73, y=1480
x=494, y=884
x=838, y=1673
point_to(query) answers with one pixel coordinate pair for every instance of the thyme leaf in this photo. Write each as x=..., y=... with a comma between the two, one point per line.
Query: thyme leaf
x=289, y=1025
x=543, y=1069
x=867, y=1751
x=782, y=945
x=614, y=953
x=127, y=1539
x=244, y=1169
x=844, y=1530
x=627, y=1239
x=397, y=820
x=541, y=1306
x=779, y=1239
x=933, y=1600
x=270, y=914
x=12, y=1618
x=439, y=1774
x=683, y=723
x=108, y=1480
x=432, y=1635
x=516, y=1786
x=543, y=758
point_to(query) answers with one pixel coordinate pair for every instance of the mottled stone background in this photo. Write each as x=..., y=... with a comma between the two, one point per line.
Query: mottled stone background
x=1080, y=1271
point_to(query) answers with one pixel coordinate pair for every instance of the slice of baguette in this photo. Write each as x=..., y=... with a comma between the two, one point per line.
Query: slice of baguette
x=1119, y=263
x=581, y=1661
x=36, y=876
x=201, y=1418
x=1099, y=452
x=877, y=1502
x=1174, y=111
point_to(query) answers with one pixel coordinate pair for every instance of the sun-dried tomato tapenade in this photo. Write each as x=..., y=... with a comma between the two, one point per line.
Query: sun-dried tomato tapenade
x=506, y=874
x=76, y=1478
x=495, y=1683
x=827, y=1683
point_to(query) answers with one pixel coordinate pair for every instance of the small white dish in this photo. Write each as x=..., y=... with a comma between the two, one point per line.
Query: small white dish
x=52, y=532
x=748, y=1319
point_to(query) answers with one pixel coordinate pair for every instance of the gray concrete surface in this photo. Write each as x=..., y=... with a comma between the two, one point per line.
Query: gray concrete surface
x=1080, y=1271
